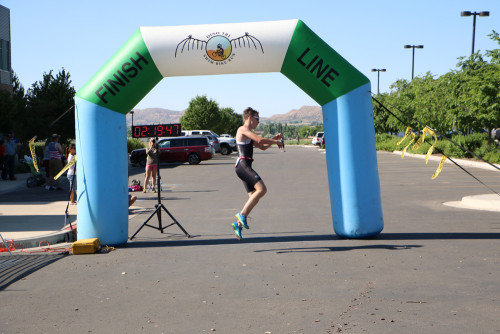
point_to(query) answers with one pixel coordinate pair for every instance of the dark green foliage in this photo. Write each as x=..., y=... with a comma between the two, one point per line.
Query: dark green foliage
x=205, y=114
x=134, y=144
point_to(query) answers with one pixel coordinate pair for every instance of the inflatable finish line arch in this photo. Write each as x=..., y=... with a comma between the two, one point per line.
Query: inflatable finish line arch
x=289, y=47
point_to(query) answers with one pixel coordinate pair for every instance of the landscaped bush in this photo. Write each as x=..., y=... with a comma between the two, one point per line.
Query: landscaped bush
x=134, y=144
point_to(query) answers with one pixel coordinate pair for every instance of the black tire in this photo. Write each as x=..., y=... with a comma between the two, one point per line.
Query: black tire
x=31, y=182
x=194, y=159
x=225, y=149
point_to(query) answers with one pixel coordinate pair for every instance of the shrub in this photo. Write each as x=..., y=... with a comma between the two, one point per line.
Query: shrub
x=134, y=144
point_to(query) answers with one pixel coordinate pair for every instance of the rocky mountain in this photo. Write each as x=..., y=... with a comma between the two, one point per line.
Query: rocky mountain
x=304, y=115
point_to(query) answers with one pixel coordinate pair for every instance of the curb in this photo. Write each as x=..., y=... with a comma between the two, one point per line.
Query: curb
x=52, y=239
x=462, y=162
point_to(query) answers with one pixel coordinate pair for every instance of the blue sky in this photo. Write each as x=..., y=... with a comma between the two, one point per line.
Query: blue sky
x=82, y=35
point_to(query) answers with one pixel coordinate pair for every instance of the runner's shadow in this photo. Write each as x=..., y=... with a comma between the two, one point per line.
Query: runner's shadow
x=337, y=249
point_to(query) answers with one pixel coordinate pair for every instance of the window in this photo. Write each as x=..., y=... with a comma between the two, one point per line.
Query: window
x=198, y=141
x=177, y=143
x=164, y=144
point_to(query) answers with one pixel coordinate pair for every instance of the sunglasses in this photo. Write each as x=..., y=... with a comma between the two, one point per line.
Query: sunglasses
x=257, y=118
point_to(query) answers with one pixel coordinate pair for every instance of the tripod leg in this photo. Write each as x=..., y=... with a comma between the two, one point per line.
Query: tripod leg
x=146, y=222
x=176, y=222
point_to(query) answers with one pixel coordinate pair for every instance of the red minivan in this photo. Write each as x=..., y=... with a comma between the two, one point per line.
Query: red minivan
x=177, y=149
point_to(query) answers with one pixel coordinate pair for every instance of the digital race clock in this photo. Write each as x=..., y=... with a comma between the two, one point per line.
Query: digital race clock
x=156, y=130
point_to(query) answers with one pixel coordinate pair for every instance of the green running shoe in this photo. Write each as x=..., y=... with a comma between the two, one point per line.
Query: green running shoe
x=243, y=220
x=237, y=230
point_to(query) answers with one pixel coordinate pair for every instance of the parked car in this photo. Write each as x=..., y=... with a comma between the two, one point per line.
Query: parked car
x=226, y=142
x=214, y=143
x=495, y=133
x=177, y=149
x=319, y=139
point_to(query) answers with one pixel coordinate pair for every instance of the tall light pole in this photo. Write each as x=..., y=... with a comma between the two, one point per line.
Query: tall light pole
x=413, y=58
x=467, y=13
x=378, y=77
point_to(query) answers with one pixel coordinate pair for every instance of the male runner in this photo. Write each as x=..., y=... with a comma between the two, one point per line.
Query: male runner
x=246, y=140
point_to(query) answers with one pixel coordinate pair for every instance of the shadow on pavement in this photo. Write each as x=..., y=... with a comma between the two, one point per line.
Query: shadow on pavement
x=337, y=249
x=226, y=241
x=15, y=267
x=439, y=236
x=146, y=243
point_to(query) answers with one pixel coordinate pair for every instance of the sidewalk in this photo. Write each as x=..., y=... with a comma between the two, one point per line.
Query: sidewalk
x=27, y=224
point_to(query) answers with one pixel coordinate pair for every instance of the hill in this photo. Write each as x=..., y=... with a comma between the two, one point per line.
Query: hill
x=304, y=115
x=154, y=116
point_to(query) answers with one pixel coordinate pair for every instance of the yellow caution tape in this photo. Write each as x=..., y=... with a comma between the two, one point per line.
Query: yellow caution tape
x=419, y=143
x=407, y=132
x=406, y=147
x=420, y=140
x=31, y=144
x=440, y=167
x=429, y=152
x=71, y=163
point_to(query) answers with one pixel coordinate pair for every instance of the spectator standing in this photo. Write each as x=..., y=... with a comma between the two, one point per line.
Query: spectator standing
x=72, y=174
x=55, y=162
x=151, y=165
x=9, y=158
x=46, y=161
x=18, y=145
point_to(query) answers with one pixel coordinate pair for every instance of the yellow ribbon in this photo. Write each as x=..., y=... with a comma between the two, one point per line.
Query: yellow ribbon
x=420, y=140
x=31, y=144
x=440, y=167
x=429, y=152
x=407, y=132
x=406, y=147
x=71, y=163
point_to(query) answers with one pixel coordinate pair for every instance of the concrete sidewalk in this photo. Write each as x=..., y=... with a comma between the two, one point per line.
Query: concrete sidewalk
x=27, y=224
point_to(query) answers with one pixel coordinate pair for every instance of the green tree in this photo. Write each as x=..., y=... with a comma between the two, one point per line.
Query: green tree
x=48, y=99
x=205, y=114
x=202, y=114
x=230, y=121
x=12, y=106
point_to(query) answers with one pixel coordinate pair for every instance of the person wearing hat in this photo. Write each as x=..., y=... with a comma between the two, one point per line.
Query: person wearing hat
x=55, y=162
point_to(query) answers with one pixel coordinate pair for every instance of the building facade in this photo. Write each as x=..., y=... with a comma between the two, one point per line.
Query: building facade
x=5, y=50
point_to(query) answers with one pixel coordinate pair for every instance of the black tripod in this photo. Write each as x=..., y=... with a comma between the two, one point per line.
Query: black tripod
x=159, y=206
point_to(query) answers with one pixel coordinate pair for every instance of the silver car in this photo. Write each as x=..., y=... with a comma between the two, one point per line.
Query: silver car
x=214, y=143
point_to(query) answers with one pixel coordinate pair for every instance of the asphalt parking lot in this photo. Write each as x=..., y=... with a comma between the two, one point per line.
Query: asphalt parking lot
x=434, y=268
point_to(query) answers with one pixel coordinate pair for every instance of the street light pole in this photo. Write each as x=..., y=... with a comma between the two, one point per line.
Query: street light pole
x=467, y=13
x=413, y=57
x=378, y=77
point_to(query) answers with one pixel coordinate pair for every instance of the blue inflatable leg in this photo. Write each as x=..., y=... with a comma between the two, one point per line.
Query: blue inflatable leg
x=352, y=165
x=102, y=173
